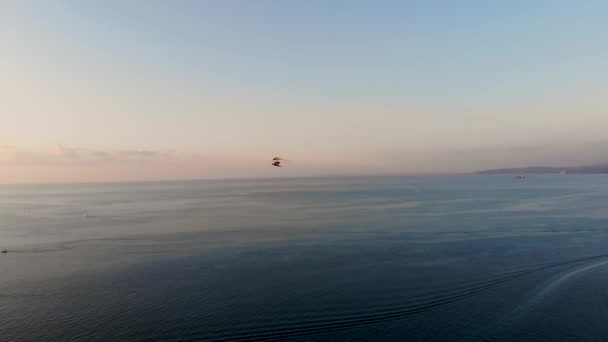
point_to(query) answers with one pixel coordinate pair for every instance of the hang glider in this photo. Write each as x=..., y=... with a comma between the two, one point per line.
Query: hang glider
x=276, y=161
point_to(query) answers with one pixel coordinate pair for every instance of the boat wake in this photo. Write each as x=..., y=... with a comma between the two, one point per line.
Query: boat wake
x=518, y=314
x=299, y=328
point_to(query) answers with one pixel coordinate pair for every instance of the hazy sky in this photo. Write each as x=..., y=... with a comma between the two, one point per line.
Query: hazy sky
x=136, y=90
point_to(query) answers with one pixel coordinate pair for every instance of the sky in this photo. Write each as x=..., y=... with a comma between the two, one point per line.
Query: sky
x=143, y=90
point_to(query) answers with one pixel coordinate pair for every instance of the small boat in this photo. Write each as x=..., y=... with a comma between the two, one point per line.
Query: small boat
x=520, y=176
x=4, y=251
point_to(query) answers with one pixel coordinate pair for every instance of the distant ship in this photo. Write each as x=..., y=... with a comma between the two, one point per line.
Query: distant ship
x=520, y=176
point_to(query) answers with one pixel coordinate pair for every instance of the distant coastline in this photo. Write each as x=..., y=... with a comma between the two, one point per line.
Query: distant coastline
x=588, y=169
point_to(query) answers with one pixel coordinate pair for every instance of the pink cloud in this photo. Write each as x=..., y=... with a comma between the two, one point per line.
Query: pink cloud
x=62, y=155
x=62, y=152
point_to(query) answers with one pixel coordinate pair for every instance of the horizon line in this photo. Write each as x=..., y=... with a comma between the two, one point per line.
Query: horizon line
x=218, y=179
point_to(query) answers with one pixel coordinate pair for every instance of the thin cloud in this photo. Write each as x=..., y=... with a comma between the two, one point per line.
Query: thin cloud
x=100, y=154
x=142, y=153
x=63, y=152
x=62, y=155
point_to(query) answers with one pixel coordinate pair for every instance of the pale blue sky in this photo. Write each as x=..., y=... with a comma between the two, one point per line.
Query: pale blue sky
x=361, y=86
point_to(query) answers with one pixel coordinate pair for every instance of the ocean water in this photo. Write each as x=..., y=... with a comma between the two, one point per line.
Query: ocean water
x=488, y=258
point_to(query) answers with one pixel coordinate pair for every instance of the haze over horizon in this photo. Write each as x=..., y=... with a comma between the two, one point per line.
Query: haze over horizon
x=145, y=90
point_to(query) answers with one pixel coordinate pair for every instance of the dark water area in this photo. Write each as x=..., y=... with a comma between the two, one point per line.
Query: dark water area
x=482, y=258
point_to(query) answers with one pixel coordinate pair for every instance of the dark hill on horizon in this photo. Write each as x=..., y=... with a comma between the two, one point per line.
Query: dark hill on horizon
x=589, y=169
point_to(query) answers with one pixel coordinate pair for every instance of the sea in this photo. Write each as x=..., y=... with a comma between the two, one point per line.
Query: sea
x=441, y=258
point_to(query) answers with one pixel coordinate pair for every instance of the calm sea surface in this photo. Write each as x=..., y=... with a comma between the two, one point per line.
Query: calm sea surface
x=489, y=258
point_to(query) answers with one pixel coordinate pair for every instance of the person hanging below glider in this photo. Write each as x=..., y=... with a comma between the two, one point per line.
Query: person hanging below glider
x=276, y=163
